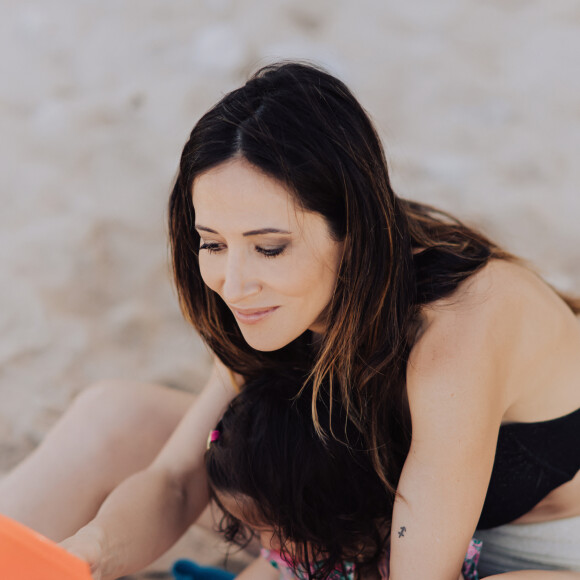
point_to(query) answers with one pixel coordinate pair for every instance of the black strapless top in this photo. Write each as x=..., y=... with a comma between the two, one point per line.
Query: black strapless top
x=531, y=460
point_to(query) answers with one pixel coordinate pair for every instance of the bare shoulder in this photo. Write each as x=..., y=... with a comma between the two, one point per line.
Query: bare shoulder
x=497, y=287
x=491, y=307
x=482, y=338
x=478, y=318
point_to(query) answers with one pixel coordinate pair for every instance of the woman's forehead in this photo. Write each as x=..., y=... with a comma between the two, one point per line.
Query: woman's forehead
x=236, y=188
x=239, y=177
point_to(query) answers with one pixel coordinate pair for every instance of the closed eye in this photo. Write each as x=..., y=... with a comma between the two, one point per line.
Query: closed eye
x=212, y=247
x=270, y=252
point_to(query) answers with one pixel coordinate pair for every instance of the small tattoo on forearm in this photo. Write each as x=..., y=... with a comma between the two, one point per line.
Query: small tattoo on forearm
x=402, y=531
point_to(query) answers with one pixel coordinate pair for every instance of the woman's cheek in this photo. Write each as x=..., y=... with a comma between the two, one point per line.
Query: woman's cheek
x=207, y=275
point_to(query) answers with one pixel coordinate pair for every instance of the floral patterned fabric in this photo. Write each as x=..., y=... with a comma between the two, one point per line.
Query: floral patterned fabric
x=469, y=569
x=286, y=573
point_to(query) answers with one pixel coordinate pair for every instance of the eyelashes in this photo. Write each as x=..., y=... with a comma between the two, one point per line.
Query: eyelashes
x=270, y=252
x=213, y=248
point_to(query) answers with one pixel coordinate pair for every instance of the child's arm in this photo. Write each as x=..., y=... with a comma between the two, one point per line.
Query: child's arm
x=259, y=569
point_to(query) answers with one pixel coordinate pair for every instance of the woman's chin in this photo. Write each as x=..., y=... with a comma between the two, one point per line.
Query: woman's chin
x=263, y=346
x=265, y=343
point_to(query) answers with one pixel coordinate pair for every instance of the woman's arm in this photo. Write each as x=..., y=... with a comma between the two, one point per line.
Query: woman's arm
x=149, y=511
x=457, y=397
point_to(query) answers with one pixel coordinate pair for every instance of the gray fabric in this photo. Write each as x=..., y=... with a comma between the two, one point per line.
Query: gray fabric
x=551, y=545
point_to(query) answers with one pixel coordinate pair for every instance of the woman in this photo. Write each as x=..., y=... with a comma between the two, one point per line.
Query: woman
x=291, y=250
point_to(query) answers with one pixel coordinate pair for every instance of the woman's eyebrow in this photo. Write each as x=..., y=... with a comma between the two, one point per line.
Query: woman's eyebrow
x=203, y=228
x=259, y=232
x=265, y=231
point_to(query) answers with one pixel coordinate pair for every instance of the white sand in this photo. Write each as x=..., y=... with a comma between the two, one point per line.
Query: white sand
x=478, y=103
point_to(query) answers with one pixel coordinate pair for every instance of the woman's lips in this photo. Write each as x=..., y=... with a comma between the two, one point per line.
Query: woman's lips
x=254, y=315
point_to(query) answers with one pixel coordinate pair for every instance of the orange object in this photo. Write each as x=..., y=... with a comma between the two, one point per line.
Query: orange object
x=26, y=555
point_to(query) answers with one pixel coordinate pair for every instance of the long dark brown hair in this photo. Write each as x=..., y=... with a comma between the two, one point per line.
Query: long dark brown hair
x=303, y=127
x=322, y=498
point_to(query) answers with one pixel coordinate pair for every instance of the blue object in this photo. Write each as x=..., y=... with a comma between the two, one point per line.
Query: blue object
x=188, y=570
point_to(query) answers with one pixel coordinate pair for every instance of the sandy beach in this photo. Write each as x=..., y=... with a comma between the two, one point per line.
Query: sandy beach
x=478, y=104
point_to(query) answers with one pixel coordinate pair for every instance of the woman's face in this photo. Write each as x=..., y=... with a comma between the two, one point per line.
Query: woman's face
x=274, y=264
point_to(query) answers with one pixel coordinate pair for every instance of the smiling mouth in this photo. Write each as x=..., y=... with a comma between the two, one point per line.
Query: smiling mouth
x=254, y=315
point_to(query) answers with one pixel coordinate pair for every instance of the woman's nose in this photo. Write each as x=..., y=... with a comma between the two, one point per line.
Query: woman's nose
x=238, y=282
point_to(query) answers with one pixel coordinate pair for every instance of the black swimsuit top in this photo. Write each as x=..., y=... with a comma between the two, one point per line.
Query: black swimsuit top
x=531, y=460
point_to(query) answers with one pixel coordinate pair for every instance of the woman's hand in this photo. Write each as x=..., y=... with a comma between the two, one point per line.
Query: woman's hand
x=87, y=544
